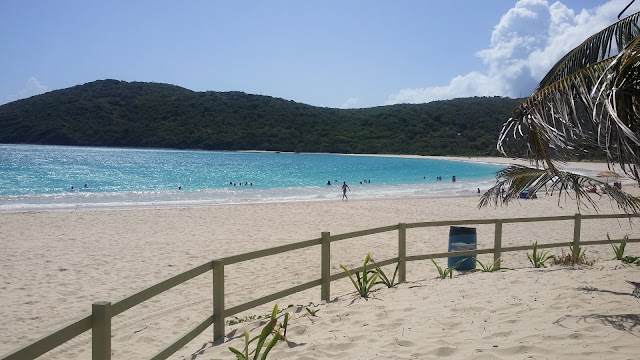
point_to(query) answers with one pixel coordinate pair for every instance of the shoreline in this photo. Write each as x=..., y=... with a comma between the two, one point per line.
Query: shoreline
x=73, y=207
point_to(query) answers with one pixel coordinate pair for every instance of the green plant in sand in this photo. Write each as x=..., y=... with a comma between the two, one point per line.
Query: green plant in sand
x=447, y=271
x=619, y=249
x=634, y=260
x=538, y=258
x=581, y=254
x=383, y=279
x=237, y=320
x=363, y=283
x=496, y=266
x=278, y=331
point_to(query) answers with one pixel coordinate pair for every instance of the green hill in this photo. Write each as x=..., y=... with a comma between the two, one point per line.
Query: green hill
x=135, y=114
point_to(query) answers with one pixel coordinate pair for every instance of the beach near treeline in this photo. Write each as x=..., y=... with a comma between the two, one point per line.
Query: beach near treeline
x=55, y=264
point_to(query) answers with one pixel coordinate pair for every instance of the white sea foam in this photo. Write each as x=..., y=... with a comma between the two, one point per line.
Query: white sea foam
x=177, y=198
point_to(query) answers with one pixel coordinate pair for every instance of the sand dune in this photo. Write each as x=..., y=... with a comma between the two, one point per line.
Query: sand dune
x=563, y=313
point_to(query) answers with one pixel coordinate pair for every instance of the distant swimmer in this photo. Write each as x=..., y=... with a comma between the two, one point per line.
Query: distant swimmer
x=453, y=178
x=344, y=190
x=179, y=187
x=85, y=186
x=328, y=182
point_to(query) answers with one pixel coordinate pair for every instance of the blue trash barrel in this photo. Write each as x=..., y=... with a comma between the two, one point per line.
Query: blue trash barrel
x=462, y=239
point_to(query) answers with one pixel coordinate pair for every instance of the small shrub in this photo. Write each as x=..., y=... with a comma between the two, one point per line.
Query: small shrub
x=383, y=279
x=447, y=271
x=364, y=283
x=569, y=260
x=538, y=258
x=619, y=250
x=491, y=268
x=634, y=260
x=271, y=328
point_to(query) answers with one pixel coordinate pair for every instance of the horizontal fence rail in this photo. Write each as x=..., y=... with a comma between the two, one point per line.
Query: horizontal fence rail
x=99, y=322
x=146, y=294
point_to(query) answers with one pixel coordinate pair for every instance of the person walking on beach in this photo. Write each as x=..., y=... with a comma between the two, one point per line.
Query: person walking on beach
x=344, y=190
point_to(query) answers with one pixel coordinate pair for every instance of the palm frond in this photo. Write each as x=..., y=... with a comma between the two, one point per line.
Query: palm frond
x=599, y=78
x=618, y=91
x=598, y=47
x=513, y=180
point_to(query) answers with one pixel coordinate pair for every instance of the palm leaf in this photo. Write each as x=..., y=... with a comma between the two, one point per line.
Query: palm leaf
x=600, y=78
x=511, y=181
x=594, y=49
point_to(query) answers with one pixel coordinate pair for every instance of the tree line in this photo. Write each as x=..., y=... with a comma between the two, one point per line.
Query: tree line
x=116, y=113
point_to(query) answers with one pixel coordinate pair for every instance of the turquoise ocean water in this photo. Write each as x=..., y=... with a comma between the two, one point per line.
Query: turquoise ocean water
x=41, y=177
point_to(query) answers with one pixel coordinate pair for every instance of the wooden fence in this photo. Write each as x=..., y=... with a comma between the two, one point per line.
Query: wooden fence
x=99, y=321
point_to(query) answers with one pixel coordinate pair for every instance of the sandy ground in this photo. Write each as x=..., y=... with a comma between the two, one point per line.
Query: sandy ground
x=54, y=264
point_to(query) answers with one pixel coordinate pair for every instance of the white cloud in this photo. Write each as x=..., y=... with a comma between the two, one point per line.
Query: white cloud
x=529, y=39
x=350, y=103
x=31, y=88
x=471, y=84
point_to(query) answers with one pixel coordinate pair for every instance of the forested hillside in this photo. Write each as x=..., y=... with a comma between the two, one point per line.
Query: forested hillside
x=135, y=114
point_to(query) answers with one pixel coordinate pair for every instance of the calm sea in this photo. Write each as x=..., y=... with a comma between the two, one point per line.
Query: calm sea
x=59, y=177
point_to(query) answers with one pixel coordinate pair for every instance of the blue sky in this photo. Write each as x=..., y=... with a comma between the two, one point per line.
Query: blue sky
x=332, y=53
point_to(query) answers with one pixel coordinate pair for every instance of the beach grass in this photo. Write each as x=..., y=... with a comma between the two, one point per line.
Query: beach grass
x=538, y=258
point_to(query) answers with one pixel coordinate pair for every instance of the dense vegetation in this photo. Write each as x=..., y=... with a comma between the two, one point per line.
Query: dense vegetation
x=135, y=114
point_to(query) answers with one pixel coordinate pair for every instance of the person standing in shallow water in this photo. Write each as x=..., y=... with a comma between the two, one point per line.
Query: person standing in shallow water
x=344, y=190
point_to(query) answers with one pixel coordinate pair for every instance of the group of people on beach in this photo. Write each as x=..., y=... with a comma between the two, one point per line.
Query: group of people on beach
x=603, y=190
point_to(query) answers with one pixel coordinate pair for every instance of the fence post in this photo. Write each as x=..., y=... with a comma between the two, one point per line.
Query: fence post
x=576, y=236
x=218, y=299
x=402, y=252
x=325, y=267
x=497, y=244
x=101, y=330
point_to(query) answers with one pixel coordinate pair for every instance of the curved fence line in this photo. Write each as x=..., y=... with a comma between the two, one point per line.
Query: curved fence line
x=99, y=321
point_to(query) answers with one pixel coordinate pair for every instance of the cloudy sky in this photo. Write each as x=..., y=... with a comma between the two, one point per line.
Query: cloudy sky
x=331, y=53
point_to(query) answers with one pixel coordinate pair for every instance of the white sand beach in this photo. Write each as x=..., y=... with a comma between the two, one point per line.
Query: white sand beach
x=55, y=264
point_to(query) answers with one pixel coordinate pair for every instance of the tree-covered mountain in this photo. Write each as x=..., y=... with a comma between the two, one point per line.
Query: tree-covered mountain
x=136, y=114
